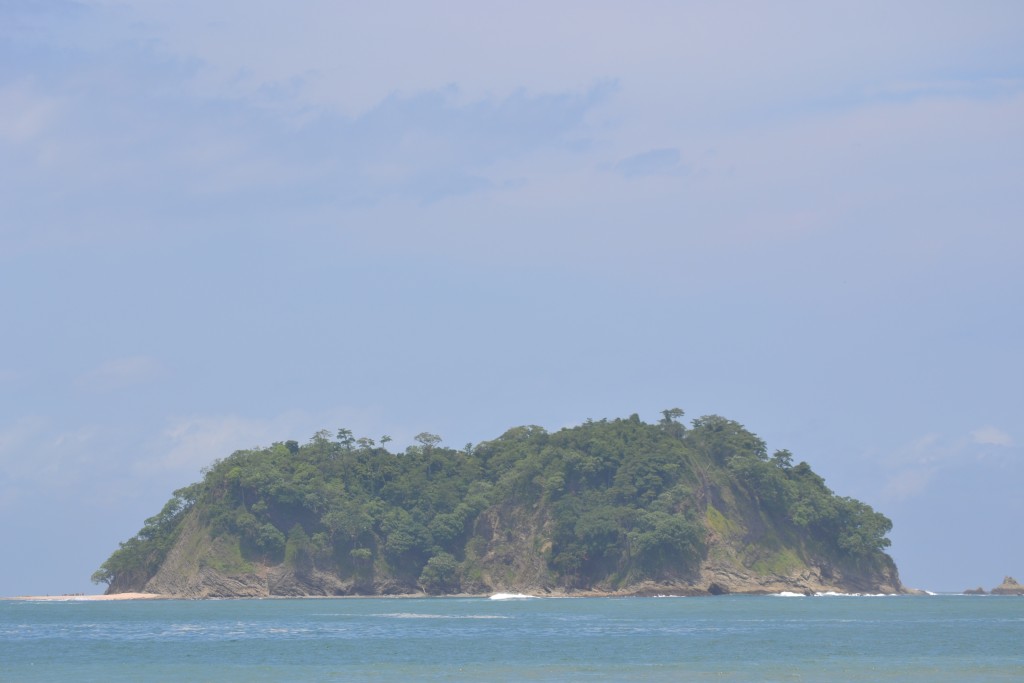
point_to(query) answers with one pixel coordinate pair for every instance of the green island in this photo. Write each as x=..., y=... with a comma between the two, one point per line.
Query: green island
x=609, y=507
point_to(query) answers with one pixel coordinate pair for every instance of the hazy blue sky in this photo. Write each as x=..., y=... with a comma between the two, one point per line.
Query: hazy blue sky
x=224, y=224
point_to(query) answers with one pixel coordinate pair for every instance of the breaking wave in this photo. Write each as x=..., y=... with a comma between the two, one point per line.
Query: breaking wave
x=419, y=615
x=831, y=594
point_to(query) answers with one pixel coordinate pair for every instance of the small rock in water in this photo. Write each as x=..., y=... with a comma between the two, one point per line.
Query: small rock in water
x=1009, y=586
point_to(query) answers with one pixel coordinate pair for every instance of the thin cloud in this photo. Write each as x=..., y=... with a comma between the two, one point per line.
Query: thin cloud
x=27, y=114
x=912, y=468
x=187, y=444
x=665, y=161
x=195, y=442
x=991, y=436
x=908, y=483
x=121, y=373
x=16, y=436
x=37, y=454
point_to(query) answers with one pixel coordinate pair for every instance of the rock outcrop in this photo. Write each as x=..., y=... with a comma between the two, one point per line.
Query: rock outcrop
x=1009, y=586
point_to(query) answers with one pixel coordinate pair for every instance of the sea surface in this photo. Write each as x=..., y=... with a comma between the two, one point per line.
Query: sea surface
x=725, y=638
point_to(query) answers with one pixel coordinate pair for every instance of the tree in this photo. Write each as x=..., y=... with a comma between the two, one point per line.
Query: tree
x=297, y=548
x=721, y=439
x=446, y=528
x=666, y=540
x=671, y=415
x=440, y=575
x=670, y=422
x=321, y=441
x=427, y=440
x=862, y=530
x=782, y=459
x=138, y=558
x=345, y=438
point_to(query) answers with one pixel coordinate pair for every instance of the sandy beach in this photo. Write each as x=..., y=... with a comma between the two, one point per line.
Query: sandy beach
x=91, y=598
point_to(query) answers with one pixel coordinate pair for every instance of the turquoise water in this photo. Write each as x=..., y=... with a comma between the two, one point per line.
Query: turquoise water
x=726, y=638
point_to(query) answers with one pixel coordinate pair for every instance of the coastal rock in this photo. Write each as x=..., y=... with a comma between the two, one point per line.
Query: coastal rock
x=975, y=591
x=1009, y=586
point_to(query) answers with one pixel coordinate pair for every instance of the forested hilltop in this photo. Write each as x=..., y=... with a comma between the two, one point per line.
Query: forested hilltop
x=611, y=506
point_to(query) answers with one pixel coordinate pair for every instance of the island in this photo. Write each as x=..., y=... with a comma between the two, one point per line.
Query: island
x=608, y=507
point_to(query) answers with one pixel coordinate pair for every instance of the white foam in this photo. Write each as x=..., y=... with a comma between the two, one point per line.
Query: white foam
x=789, y=594
x=418, y=615
x=512, y=596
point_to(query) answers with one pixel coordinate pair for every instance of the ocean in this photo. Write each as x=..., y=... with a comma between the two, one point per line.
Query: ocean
x=724, y=638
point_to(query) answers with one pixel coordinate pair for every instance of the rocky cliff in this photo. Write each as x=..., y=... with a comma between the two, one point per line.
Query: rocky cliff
x=609, y=507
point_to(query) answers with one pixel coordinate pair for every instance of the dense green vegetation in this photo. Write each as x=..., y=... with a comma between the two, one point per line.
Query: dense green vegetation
x=610, y=502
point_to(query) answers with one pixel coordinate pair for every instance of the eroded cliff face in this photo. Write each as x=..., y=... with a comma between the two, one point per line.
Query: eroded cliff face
x=508, y=553
x=199, y=566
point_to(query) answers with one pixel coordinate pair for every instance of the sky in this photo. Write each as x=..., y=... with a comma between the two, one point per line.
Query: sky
x=227, y=224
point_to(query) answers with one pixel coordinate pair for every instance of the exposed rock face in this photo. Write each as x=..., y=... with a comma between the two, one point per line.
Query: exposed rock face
x=975, y=591
x=511, y=563
x=1009, y=586
x=809, y=580
x=187, y=573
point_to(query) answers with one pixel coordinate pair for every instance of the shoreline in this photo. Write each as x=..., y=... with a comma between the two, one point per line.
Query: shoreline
x=90, y=598
x=575, y=594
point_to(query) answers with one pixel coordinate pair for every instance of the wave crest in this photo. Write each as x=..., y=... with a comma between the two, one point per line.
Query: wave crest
x=512, y=596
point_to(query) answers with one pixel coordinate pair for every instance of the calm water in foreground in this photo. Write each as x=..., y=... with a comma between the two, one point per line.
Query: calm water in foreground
x=728, y=638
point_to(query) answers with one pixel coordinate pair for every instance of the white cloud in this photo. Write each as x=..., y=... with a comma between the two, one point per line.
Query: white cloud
x=27, y=114
x=664, y=161
x=188, y=444
x=192, y=443
x=16, y=436
x=912, y=468
x=992, y=436
x=38, y=454
x=908, y=483
x=679, y=56
x=120, y=373
x=426, y=103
